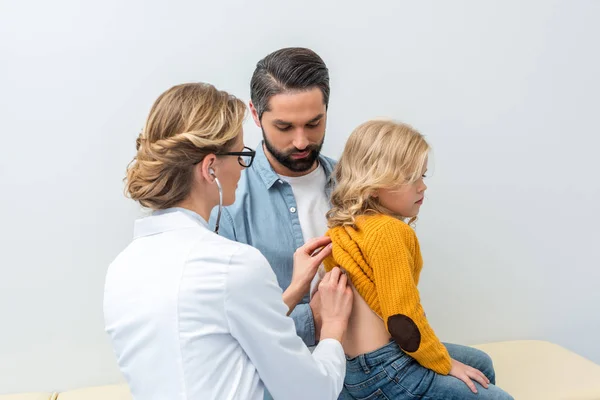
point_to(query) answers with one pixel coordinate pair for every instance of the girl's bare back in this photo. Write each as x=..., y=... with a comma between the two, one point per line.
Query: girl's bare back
x=366, y=330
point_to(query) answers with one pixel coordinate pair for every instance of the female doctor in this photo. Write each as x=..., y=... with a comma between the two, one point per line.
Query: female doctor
x=192, y=315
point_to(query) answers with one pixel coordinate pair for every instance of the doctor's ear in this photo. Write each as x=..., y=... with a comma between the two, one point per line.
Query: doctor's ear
x=206, y=168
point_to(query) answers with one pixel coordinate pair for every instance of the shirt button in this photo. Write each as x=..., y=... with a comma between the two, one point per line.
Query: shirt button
x=292, y=209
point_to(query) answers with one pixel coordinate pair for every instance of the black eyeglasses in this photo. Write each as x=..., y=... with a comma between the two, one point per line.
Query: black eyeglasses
x=245, y=158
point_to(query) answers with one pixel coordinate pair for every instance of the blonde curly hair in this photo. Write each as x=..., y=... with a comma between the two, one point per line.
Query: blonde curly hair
x=185, y=124
x=379, y=154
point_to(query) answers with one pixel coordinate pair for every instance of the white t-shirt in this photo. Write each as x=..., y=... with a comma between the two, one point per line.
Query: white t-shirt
x=312, y=205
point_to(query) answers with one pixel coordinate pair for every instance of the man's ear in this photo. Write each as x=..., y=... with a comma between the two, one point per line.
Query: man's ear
x=254, y=114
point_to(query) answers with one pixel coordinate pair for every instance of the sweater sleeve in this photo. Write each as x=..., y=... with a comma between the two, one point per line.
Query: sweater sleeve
x=394, y=251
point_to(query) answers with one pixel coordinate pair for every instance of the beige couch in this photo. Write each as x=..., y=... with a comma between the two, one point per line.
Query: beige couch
x=529, y=370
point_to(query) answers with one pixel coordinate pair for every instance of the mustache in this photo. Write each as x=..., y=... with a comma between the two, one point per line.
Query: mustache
x=310, y=148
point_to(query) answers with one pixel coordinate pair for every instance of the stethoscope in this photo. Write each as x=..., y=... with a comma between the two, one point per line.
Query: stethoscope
x=212, y=173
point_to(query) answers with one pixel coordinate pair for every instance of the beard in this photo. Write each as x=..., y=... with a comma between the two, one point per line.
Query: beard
x=295, y=164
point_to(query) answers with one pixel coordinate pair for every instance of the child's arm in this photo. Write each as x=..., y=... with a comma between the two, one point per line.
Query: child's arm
x=391, y=254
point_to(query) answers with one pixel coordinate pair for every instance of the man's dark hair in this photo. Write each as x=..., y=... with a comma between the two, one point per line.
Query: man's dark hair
x=285, y=70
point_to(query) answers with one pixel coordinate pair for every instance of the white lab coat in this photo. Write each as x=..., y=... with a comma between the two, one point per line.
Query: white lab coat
x=192, y=315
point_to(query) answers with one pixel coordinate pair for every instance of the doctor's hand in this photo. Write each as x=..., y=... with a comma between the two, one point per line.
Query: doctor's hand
x=306, y=263
x=307, y=260
x=336, y=304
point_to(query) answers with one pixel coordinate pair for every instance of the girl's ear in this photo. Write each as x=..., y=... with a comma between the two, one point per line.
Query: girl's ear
x=374, y=194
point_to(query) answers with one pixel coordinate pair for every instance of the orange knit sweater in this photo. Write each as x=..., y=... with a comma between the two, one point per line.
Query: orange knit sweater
x=382, y=257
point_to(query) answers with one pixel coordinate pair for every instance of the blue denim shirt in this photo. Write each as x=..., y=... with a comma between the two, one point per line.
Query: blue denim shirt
x=265, y=216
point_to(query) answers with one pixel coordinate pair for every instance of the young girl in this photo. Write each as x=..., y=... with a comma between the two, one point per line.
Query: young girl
x=391, y=349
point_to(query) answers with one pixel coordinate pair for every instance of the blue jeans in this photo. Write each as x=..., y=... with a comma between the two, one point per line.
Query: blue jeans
x=389, y=374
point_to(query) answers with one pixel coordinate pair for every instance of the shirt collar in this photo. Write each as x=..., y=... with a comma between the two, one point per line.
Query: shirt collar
x=167, y=220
